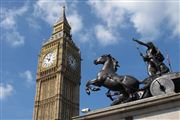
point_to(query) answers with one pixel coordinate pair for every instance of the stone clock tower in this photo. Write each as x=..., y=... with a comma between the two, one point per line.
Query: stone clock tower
x=58, y=75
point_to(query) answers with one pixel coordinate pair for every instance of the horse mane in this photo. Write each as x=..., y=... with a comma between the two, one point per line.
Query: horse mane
x=115, y=62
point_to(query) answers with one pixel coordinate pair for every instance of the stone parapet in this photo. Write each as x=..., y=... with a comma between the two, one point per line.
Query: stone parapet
x=162, y=107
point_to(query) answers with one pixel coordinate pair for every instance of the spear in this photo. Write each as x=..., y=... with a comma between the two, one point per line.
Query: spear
x=141, y=54
x=139, y=51
x=168, y=60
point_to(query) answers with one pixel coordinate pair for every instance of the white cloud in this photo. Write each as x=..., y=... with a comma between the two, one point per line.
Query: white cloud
x=173, y=15
x=7, y=22
x=75, y=21
x=147, y=17
x=108, y=11
x=146, y=26
x=5, y=91
x=104, y=35
x=33, y=23
x=14, y=38
x=27, y=75
x=9, y=18
x=85, y=36
x=50, y=12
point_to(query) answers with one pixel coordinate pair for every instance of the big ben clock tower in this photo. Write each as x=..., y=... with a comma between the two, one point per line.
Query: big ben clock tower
x=58, y=75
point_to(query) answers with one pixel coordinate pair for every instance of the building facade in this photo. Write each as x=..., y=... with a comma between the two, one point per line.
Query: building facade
x=58, y=75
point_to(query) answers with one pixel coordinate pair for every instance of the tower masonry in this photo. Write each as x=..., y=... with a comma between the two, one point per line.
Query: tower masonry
x=58, y=75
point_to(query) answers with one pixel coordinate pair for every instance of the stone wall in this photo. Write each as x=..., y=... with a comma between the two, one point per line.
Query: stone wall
x=162, y=107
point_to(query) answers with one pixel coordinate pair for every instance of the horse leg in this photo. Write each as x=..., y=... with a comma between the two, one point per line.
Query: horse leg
x=89, y=87
x=108, y=94
x=146, y=93
x=122, y=98
x=115, y=102
x=127, y=94
x=118, y=100
x=127, y=97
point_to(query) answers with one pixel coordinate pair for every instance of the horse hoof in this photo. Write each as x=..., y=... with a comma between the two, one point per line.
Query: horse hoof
x=96, y=89
x=88, y=92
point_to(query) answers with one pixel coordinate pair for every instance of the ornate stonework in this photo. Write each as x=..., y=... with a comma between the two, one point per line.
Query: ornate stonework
x=58, y=76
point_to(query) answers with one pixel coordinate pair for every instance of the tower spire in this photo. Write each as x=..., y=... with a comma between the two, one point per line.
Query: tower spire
x=63, y=13
x=62, y=22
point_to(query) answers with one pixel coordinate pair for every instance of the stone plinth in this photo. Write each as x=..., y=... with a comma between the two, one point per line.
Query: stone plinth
x=162, y=107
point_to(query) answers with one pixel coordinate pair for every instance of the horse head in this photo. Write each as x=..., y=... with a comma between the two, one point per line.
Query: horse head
x=102, y=59
x=107, y=57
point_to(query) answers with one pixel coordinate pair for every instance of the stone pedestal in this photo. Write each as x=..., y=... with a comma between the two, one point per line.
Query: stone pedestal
x=162, y=107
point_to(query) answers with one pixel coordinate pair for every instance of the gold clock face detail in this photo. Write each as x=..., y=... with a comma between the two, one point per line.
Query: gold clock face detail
x=49, y=59
x=72, y=61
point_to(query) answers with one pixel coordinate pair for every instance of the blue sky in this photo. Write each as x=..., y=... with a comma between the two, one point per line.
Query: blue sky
x=97, y=28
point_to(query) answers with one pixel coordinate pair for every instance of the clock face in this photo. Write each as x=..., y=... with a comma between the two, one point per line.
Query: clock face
x=49, y=59
x=72, y=61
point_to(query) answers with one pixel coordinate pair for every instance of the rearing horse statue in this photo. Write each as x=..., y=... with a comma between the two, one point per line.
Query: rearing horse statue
x=107, y=77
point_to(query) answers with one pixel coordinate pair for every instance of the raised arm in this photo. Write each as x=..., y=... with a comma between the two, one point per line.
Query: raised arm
x=140, y=42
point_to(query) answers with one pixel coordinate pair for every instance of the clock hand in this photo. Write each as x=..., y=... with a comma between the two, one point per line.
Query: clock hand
x=49, y=59
x=162, y=88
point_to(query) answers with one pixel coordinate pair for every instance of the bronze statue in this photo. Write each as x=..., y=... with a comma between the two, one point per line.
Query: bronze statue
x=122, y=89
x=154, y=59
x=125, y=85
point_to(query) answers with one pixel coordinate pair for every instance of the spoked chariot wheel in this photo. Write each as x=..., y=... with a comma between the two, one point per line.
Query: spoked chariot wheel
x=161, y=86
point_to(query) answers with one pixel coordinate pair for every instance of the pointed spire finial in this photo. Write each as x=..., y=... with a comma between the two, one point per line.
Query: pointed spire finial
x=63, y=10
